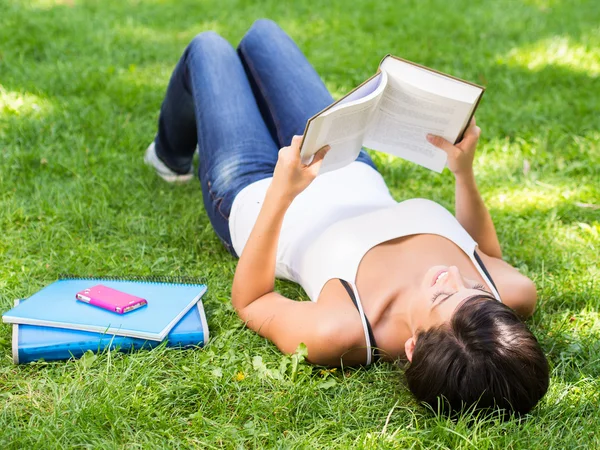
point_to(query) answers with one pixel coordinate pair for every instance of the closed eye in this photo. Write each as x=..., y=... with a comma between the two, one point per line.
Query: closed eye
x=479, y=287
x=439, y=294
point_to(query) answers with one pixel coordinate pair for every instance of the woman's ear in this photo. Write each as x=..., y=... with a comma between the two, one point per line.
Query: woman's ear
x=409, y=348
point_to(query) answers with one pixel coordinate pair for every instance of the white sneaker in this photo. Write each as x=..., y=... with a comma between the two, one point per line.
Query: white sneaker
x=151, y=159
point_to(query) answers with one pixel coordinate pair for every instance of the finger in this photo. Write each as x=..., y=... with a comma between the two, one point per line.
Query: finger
x=320, y=154
x=306, y=161
x=286, y=154
x=440, y=143
x=296, y=141
x=315, y=165
x=472, y=128
x=471, y=135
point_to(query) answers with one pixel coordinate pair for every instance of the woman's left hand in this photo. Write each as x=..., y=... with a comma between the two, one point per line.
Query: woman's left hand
x=460, y=156
x=291, y=177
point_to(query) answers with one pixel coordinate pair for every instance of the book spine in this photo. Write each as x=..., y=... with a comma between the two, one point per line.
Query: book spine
x=183, y=340
x=166, y=279
x=15, y=339
x=67, y=351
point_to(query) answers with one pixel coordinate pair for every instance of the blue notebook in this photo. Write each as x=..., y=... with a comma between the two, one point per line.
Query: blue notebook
x=56, y=306
x=31, y=342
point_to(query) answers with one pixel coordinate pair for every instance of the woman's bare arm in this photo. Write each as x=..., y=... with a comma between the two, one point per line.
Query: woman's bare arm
x=516, y=290
x=473, y=215
x=329, y=333
x=471, y=212
x=255, y=272
x=285, y=322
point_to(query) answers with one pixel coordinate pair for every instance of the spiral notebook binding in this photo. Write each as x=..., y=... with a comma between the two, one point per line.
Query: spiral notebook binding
x=176, y=279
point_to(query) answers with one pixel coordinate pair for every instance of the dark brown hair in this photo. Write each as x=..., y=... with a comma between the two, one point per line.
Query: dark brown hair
x=484, y=358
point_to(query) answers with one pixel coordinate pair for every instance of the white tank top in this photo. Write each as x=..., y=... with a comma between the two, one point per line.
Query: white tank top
x=333, y=196
x=330, y=226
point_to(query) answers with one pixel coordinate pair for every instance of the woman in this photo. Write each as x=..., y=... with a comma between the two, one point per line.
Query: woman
x=388, y=280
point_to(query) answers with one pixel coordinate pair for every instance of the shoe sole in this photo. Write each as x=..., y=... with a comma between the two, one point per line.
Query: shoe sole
x=171, y=177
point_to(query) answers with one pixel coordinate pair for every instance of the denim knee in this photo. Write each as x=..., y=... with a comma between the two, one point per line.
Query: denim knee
x=262, y=30
x=209, y=42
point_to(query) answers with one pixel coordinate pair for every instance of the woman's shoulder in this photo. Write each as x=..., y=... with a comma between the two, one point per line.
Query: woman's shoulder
x=516, y=290
x=340, y=325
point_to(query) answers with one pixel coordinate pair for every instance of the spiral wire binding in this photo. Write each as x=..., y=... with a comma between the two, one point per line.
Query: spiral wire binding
x=177, y=279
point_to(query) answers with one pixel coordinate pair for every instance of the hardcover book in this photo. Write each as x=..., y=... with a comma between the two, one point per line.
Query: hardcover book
x=392, y=112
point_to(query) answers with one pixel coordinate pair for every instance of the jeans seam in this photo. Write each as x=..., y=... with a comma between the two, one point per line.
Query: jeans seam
x=218, y=201
x=263, y=92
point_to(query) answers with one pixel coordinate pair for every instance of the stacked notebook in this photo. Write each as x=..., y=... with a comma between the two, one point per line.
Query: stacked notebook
x=53, y=325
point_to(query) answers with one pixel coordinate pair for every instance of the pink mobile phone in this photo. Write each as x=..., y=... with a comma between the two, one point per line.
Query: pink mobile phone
x=110, y=299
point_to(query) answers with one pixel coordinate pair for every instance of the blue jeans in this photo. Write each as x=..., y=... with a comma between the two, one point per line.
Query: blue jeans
x=240, y=108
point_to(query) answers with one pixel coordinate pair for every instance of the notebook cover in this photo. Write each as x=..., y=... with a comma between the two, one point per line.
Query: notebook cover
x=31, y=342
x=56, y=306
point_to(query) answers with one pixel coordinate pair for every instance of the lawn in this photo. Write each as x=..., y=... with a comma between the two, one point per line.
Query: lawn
x=80, y=87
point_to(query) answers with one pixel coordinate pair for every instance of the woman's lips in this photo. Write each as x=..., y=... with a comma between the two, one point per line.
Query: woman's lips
x=437, y=275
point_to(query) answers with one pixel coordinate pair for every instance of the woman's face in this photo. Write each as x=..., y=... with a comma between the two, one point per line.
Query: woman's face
x=443, y=289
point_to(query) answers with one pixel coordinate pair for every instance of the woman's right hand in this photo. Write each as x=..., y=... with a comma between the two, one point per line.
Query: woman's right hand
x=460, y=156
x=291, y=177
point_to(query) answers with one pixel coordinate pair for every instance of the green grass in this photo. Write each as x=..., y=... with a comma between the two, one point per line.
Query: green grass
x=80, y=86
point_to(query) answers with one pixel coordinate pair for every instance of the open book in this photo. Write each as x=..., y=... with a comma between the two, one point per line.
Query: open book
x=392, y=112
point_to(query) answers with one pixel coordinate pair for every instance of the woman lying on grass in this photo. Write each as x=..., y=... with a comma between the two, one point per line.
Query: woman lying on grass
x=387, y=280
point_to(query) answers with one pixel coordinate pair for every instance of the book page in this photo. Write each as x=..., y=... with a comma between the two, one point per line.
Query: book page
x=406, y=114
x=431, y=81
x=343, y=127
x=368, y=88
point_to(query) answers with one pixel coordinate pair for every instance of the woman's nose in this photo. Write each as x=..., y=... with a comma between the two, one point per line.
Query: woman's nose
x=455, y=278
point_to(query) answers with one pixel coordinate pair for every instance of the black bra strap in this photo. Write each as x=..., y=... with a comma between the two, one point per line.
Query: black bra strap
x=480, y=262
x=374, y=351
